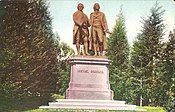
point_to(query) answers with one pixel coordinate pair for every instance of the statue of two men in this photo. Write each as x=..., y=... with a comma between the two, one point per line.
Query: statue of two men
x=96, y=39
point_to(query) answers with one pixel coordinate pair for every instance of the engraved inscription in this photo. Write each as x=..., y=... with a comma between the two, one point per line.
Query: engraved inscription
x=91, y=71
x=83, y=71
x=97, y=71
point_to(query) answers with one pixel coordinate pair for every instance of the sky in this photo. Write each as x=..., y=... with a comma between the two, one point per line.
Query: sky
x=133, y=10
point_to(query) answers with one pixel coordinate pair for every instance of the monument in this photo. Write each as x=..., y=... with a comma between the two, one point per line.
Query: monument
x=89, y=86
x=89, y=74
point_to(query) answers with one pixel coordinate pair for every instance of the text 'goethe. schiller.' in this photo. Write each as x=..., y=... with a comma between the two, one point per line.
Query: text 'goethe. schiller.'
x=90, y=71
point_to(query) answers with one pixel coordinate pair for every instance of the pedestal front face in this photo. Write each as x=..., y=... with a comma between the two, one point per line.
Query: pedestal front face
x=89, y=79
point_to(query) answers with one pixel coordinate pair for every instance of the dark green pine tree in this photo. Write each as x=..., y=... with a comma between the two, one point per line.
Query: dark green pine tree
x=166, y=70
x=118, y=52
x=29, y=67
x=145, y=56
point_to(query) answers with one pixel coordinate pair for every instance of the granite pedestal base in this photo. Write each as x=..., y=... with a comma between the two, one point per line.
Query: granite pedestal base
x=89, y=79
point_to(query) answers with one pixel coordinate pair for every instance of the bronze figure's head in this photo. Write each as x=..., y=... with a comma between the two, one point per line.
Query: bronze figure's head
x=96, y=7
x=80, y=6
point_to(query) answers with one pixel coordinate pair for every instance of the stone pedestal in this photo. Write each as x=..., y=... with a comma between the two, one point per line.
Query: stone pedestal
x=89, y=79
x=89, y=87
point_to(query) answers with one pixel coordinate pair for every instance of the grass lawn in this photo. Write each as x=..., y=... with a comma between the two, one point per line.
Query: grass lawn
x=149, y=109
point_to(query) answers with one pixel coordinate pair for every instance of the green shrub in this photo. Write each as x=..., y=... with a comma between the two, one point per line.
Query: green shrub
x=153, y=109
x=54, y=97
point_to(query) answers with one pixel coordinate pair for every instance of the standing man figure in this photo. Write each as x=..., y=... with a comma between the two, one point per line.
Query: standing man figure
x=99, y=28
x=80, y=30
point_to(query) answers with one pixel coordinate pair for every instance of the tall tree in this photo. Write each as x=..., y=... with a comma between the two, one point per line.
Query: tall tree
x=166, y=70
x=145, y=56
x=118, y=52
x=29, y=67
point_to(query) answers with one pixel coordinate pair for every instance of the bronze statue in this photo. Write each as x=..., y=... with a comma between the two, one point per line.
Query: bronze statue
x=99, y=28
x=80, y=30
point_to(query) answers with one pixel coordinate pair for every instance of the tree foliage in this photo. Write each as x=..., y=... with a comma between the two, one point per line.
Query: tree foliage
x=146, y=55
x=166, y=71
x=29, y=66
x=118, y=52
x=64, y=68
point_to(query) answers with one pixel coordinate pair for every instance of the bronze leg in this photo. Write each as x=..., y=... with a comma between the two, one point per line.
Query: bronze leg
x=78, y=43
x=95, y=42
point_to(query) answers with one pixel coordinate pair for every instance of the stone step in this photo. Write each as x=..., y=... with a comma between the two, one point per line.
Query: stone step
x=89, y=104
x=86, y=104
x=75, y=101
x=91, y=107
